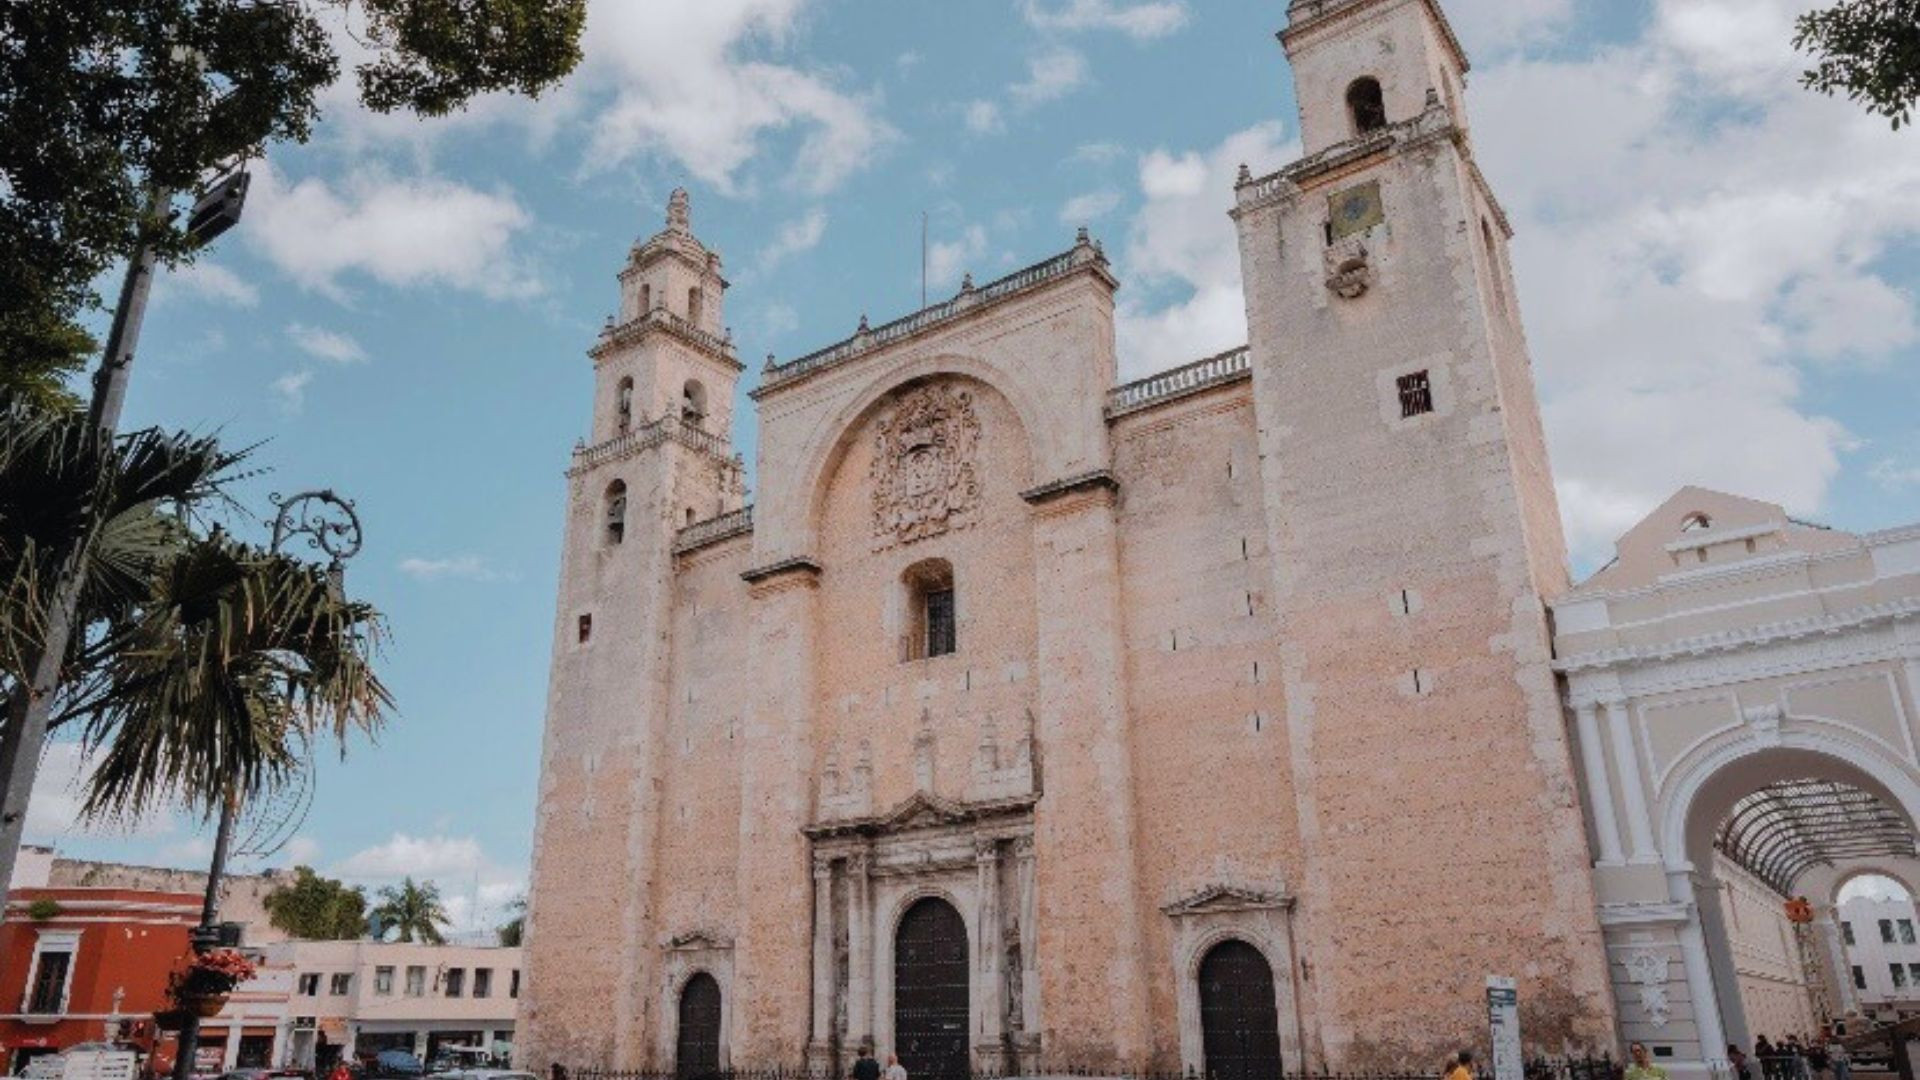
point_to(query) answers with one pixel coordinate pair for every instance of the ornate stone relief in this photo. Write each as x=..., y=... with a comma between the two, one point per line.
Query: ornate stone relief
x=923, y=475
x=1648, y=970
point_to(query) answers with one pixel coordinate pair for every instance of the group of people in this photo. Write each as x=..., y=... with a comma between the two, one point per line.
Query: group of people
x=866, y=1068
x=1822, y=1058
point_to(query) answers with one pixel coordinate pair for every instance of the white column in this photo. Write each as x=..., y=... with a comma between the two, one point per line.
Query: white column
x=1700, y=987
x=822, y=953
x=990, y=1011
x=1593, y=761
x=859, y=951
x=1632, y=792
x=1839, y=972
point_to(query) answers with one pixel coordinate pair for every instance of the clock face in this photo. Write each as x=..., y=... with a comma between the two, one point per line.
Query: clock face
x=1355, y=210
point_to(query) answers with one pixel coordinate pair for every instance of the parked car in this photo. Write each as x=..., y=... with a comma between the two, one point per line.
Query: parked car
x=486, y=1074
x=397, y=1063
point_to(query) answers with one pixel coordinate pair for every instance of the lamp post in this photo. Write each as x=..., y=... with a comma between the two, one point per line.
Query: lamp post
x=330, y=525
x=25, y=732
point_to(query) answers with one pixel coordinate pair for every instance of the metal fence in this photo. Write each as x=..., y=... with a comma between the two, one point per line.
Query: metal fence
x=1598, y=1068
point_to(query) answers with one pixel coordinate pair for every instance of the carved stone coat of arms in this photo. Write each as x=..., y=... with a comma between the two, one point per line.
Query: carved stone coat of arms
x=923, y=475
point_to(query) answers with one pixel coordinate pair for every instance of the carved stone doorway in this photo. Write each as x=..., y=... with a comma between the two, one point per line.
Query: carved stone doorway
x=697, y=1046
x=930, y=1021
x=1239, y=1018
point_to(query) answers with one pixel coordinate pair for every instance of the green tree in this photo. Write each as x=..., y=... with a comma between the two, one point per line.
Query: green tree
x=317, y=908
x=1868, y=50
x=104, y=101
x=411, y=911
x=514, y=931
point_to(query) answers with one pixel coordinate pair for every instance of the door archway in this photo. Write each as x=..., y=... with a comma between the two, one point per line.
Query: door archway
x=697, y=1044
x=1239, y=1015
x=930, y=992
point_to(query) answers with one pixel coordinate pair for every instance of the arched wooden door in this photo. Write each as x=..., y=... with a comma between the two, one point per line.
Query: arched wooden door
x=696, y=1049
x=1239, y=1018
x=930, y=993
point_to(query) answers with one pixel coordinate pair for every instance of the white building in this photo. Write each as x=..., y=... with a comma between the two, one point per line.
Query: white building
x=1884, y=955
x=356, y=998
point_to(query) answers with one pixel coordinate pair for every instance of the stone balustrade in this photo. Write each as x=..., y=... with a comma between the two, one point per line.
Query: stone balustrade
x=1083, y=253
x=1229, y=366
x=661, y=319
x=713, y=530
x=647, y=436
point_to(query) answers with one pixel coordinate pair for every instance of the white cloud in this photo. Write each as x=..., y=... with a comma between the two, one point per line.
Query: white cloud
x=1097, y=153
x=59, y=791
x=291, y=389
x=794, y=237
x=1051, y=75
x=301, y=850
x=948, y=259
x=452, y=567
x=679, y=85
x=1140, y=21
x=208, y=280
x=779, y=318
x=1082, y=209
x=474, y=888
x=329, y=345
x=983, y=118
x=1692, y=240
x=404, y=231
x=1183, y=252
x=1895, y=476
x=1488, y=27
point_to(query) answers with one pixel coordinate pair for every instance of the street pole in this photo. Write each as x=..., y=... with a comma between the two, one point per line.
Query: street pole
x=330, y=525
x=25, y=734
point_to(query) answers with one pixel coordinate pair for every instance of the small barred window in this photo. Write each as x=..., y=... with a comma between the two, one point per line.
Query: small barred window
x=1416, y=394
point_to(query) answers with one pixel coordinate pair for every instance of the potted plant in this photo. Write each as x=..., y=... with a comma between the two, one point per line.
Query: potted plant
x=203, y=985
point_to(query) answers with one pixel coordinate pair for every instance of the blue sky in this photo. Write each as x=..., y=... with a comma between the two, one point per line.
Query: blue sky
x=1718, y=273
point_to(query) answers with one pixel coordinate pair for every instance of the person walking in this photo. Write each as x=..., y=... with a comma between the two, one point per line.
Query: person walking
x=1462, y=1066
x=1837, y=1058
x=1738, y=1059
x=865, y=1067
x=895, y=1070
x=1643, y=1067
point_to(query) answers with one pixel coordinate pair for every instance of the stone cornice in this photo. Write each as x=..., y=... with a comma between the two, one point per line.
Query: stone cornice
x=1743, y=638
x=1084, y=257
x=1305, y=17
x=1666, y=913
x=1095, y=480
x=1432, y=125
x=798, y=564
x=1223, y=897
x=637, y=329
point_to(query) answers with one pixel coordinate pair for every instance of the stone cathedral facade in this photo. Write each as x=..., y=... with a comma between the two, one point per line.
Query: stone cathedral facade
x=1026, y=720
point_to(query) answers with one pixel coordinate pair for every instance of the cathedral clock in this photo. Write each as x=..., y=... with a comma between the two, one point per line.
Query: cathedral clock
x=1355, y=210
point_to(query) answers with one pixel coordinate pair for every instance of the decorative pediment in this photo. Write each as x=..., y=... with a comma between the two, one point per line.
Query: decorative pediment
x=1219, y=897
x=698, y=939
x=922, y=811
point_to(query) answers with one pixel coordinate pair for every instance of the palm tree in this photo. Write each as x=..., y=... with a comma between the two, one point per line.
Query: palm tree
x=412, y=910
x=114, y=505
x=513, y=932
x=238, y=660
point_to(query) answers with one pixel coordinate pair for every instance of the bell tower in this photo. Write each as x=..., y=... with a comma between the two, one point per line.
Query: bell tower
x=659, y=459
x=1416, y=533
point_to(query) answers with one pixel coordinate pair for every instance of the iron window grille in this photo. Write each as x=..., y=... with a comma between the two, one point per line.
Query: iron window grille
x=1416, y=394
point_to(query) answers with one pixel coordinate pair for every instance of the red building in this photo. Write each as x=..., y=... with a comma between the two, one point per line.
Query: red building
x=91, y=964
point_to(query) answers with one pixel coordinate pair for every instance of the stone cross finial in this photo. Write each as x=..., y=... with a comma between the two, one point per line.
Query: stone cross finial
x=679, y=211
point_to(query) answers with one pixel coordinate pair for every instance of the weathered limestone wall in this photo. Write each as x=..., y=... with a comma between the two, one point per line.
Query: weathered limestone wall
x=1413, y=636
x=922, y=723
x=1211, y=785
